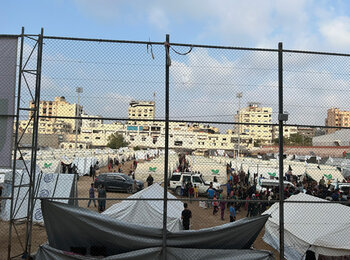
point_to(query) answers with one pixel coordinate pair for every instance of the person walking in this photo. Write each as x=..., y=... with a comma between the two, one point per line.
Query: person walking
x=91, y=195
x=185, y=216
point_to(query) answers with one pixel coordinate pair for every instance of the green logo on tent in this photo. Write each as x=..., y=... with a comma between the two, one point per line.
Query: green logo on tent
x=329, y=176
x=47, y=165
x=215, y=171
x=272, y=174
x=152, y=169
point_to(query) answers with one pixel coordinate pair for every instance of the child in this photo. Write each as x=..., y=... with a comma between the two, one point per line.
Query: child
x=195, y=190
x=216, y=205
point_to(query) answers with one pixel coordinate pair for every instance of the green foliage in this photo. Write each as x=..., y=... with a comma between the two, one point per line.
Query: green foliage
x=137, y=148
x=115, y=141
x=296, y=139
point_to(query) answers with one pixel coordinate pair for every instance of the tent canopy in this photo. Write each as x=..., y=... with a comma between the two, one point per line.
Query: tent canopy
x=310, y=224
x=148, y=212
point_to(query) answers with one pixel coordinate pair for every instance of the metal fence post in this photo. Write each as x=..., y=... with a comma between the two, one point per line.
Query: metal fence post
x=280, y=144
x=166, y=146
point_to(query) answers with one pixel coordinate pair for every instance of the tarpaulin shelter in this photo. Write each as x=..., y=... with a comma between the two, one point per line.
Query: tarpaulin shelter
x=68, y=226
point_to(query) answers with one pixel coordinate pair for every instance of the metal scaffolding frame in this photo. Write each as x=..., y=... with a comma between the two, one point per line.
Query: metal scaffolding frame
x=25, y=242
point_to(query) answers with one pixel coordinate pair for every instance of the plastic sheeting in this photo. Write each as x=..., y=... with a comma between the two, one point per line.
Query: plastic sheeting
x=68, y=226
x=148, y=212
x=46, y=252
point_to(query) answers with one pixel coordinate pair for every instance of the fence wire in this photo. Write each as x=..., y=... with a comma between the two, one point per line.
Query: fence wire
x=102, y=138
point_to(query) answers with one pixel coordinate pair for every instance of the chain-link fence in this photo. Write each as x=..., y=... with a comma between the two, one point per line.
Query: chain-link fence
x=124, y=133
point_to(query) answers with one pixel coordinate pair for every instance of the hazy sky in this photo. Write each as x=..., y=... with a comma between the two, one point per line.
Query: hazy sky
x=204, y=83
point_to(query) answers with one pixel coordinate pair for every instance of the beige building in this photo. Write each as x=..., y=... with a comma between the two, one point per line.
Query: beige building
x=251, y=115
x=58, y=108
x=95, y=132
x=336, y=117
x=287, y=131
x=141, y=110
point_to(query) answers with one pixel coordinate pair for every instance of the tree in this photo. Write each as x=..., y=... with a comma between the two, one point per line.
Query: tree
x=115, y=141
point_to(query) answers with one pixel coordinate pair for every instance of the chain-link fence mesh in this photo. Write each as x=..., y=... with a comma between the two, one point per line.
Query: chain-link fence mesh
x=102, y=138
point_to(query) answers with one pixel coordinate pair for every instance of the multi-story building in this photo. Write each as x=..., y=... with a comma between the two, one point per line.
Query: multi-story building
x=249, y=118
x=141, y=110
x=287, y=131
x=95, y=133
x=336, y=117
x=57, y=108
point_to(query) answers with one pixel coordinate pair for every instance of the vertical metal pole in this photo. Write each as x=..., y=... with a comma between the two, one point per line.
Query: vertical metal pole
x=280, y=138
x=32, y=186
x=165, y=201
x=16, y=145
x=239, y=95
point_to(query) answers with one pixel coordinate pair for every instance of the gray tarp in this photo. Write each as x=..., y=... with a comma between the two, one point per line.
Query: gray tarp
x=46, y=252
x=69, y=226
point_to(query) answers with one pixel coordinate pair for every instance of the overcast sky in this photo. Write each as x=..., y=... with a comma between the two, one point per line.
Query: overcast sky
x=204, y=83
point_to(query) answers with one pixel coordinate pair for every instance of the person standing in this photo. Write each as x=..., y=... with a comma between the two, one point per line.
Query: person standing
x=185, y=216
x=211, y=193
x=232, y=213
x=149, y=180
x=190, y=192
x=91, y=195
x=222, y=207
x=101, y=198
x=215, y=205
x=195, y=190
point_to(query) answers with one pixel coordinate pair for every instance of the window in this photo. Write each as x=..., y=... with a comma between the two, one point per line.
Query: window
x=187, y=178
x=196, y=179
x=97, y=137
x=178, y=143
x=175, y=177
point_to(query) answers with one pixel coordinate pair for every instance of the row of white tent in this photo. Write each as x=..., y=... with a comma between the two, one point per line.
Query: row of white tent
x=269, y=168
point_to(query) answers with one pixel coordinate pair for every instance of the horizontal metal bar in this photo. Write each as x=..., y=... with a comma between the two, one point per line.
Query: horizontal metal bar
x=222, y=47
x=101, y=40
x=318, y=53
x=9, y=36
x=187, y=121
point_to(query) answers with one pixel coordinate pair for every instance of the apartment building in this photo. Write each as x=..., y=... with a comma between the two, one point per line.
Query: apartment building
x=58, y=108
x=287, y=131
x=251, y=115
x=141, y=110
x=337, y=117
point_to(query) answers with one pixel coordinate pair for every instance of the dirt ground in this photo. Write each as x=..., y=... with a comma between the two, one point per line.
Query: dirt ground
x=201, y=218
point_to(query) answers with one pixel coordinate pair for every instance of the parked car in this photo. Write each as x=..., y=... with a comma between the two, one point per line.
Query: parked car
x=117, y=182
x=196, y=179
x=269, y=184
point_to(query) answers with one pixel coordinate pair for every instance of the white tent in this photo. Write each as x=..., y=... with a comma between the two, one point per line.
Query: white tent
x=46, y=185
x=321, y=227
x=148, y=212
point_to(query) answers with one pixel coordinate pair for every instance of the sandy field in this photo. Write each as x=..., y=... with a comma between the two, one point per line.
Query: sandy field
x=201, y=218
